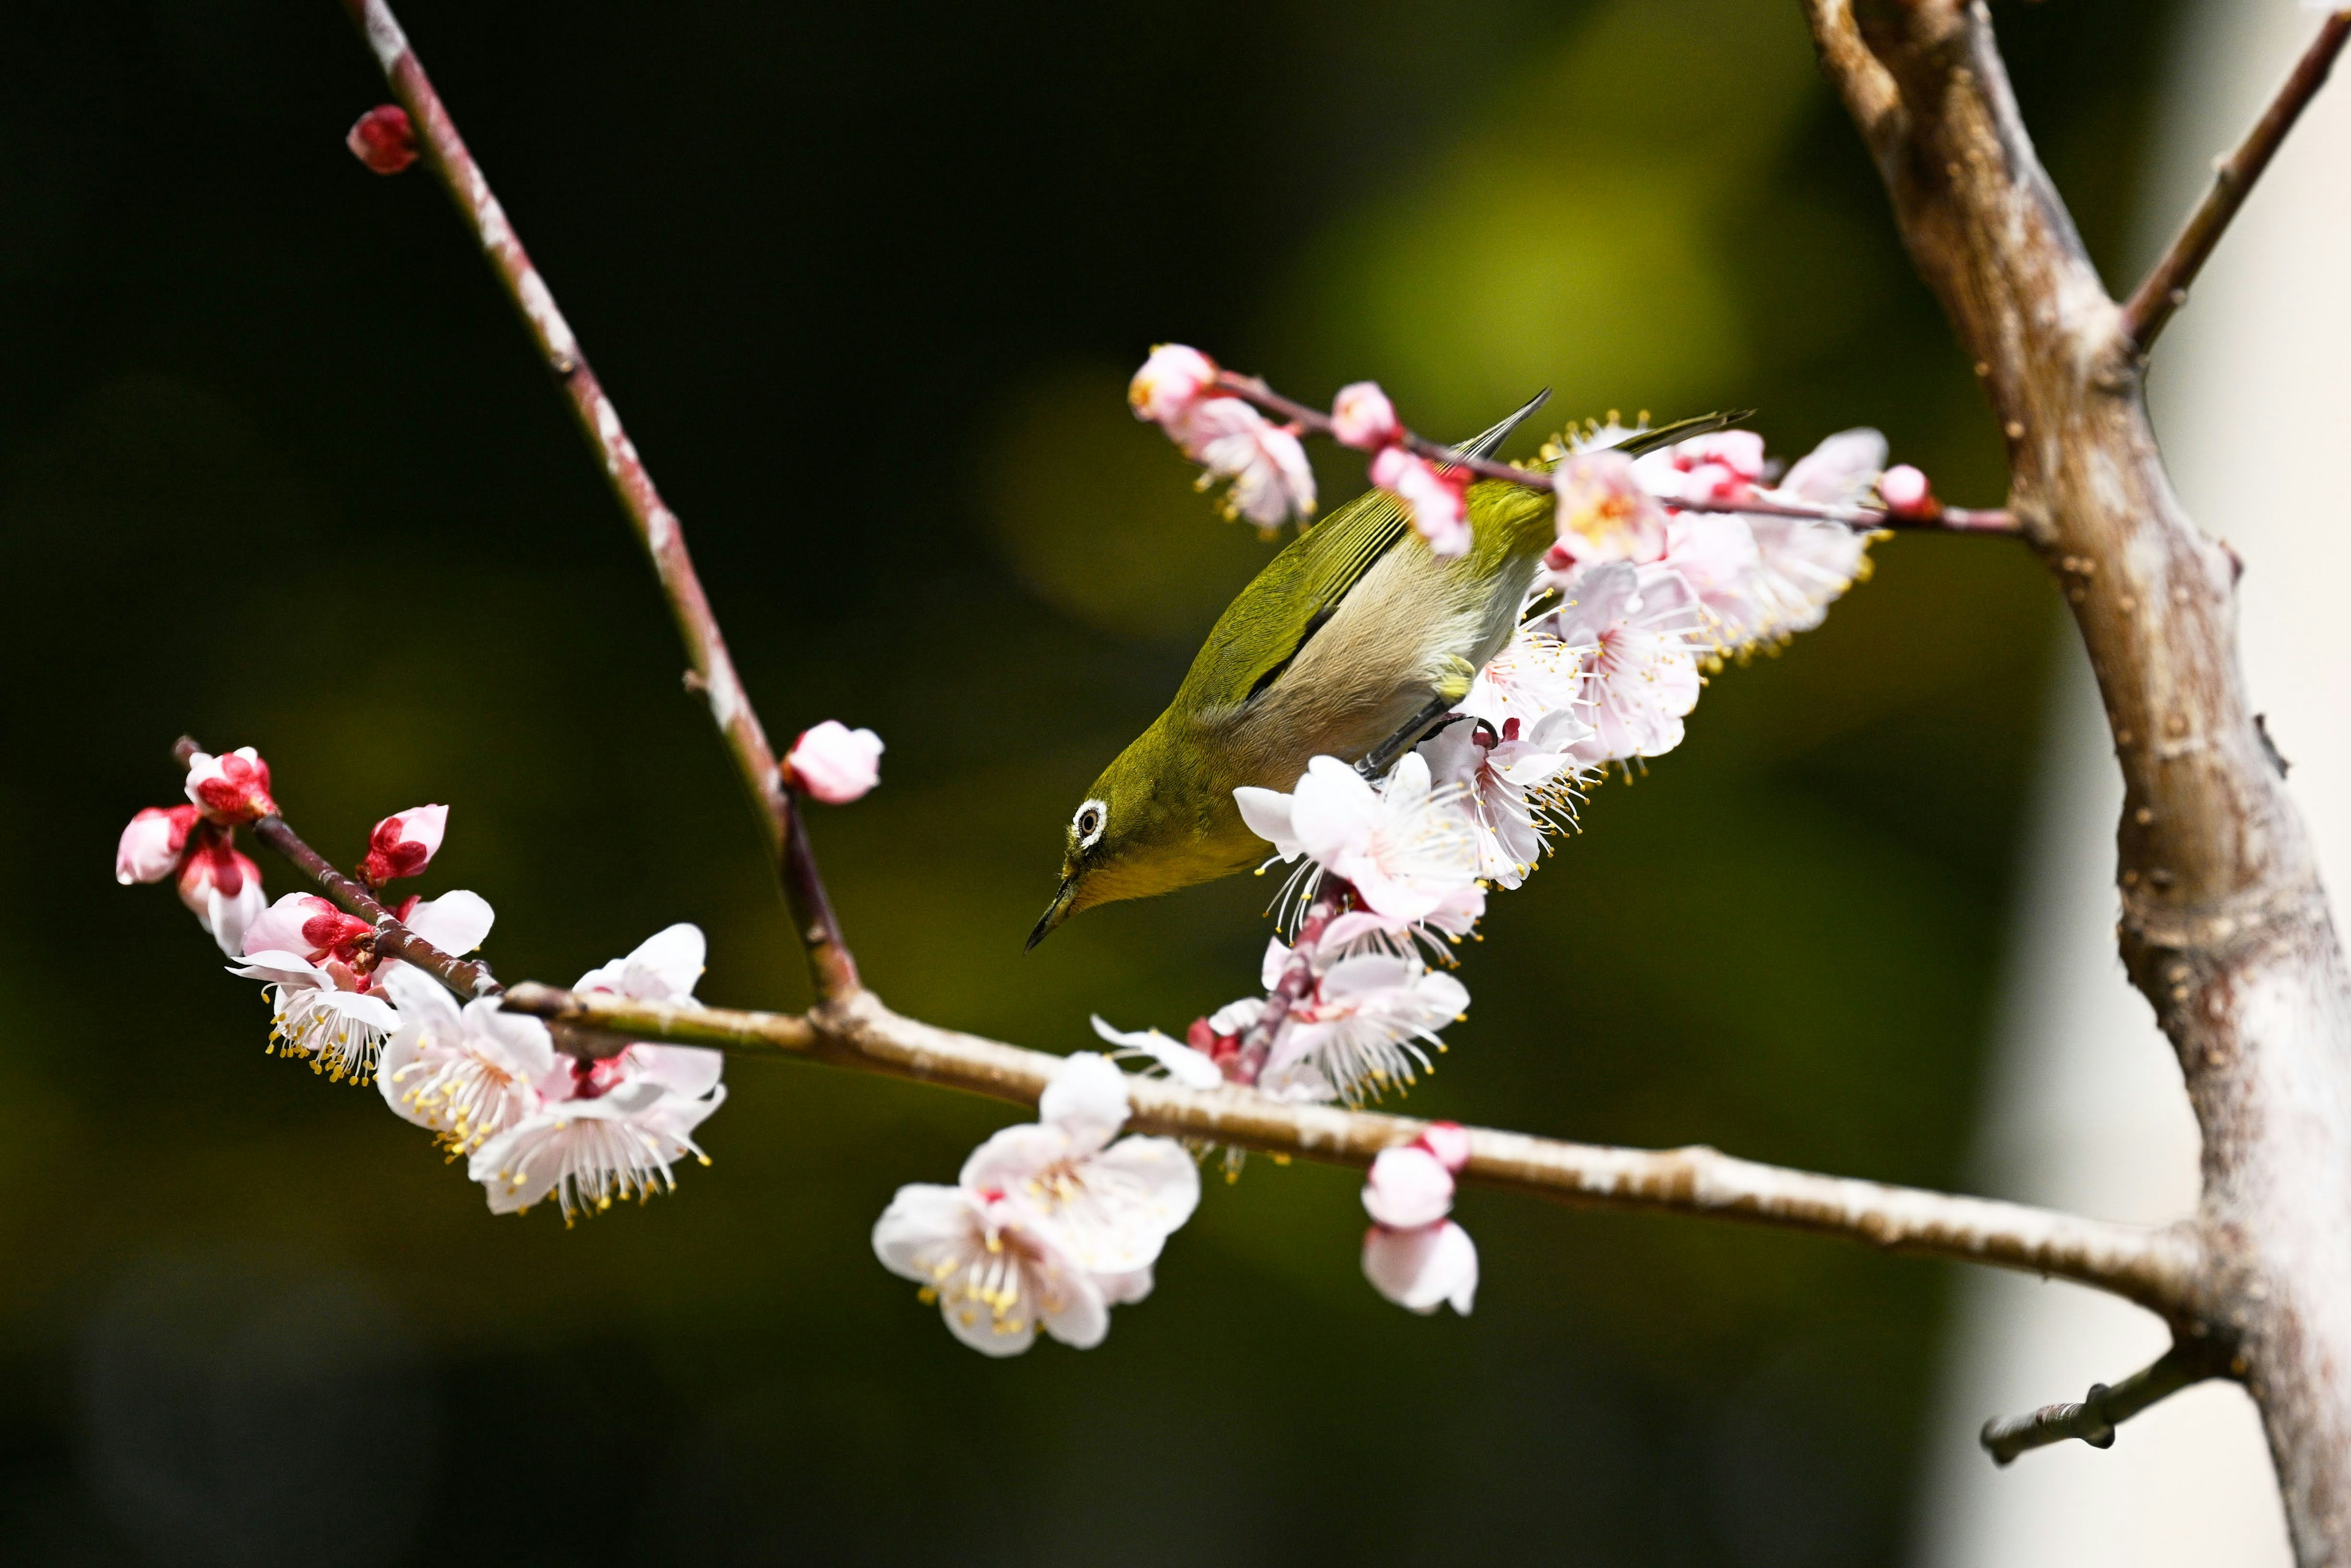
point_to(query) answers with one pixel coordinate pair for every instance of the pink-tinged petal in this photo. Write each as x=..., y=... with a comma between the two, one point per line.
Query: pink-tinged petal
x=1604, y=513
x=1408, y=1187
x=1170, y=383
x=1363, y=417
x=151, y=844
x=684, y=1070
x=1449, y=1141
x=1422, y=1269
x=1839, y=471
x=1014, y=1157
x=834, y=763
x=1271, y=479
x=1267, y=814
x=231, y=788
x=279, y=928
x=457, y=922
x=1905, y=491
x=1437, y=498
x=1086, y=1099
x=404, y=844
x=1157, y=1178
x=1273, y=966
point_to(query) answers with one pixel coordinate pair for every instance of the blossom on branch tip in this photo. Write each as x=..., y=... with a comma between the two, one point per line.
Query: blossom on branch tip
x=1363, y=417
x=1170, y=385
x=221, y=888
x=232, y=789
x=1270, y=478
x=384, y=139
x=1604, y=513
x=1906, y=492
x=404, y=844
x=1438, y=498
x=152, y=843
x=834, y=763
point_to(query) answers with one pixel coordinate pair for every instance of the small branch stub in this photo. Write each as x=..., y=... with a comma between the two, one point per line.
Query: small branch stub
x=2092, y=1418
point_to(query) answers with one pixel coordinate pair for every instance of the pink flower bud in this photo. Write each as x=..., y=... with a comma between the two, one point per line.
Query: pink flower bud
x=221, y=888
x=1362, y=417
x=232, y=789
x=1906, y=492
x=1423, y=1269
x=404, y=845
x=384, y=139
x=1170, y=382
x=1605, y=513
x=1449, y=1141
x=1409, y=1187
x=1438, y=498
x=834, y=763
x=151, y=846
x=309, y=926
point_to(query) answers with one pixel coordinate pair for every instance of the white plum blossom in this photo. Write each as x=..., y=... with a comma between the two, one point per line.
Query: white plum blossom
x=1514, y=784
x=1413, y=1254
x=1803, y=565
x=588, y=1150
x=1643, y=676
x=1438, y=498
x=1404, y=844
x=663, y=968
x=1536, y=675
x=1271, y=479
x=468, y=1073
x=1050, y=1225
x=1715, y=556
x=328, y=1004
x=834, y=763
x=1364, y=1027
x=403, y=844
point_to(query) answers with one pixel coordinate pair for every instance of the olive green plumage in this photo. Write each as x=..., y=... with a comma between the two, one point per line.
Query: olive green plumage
x=1351, y=634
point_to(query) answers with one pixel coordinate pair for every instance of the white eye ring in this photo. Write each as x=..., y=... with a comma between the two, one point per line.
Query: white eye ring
x=1090, y=832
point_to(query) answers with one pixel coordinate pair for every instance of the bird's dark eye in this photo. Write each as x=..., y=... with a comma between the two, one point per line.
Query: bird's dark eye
x=1087, y=823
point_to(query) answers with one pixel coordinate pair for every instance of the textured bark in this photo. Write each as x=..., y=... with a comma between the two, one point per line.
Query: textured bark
x=2224, y=926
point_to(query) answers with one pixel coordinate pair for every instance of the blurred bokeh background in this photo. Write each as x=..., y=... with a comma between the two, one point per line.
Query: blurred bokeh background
x=278, y=467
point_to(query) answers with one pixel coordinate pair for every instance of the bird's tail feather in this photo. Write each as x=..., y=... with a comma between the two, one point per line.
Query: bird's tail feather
x=1484, y=444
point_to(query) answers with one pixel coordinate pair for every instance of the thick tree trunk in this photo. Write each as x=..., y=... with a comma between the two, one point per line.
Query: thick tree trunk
x=2225, y=927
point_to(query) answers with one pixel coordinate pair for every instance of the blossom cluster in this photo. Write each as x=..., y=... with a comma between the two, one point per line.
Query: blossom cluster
x=1049, y=1225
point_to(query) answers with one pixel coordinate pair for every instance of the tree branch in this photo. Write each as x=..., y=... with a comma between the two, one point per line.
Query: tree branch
x=2164, y=288
x=1948, y=519
x=2151, y=1267
x=830, y=966
x=2095, y=1418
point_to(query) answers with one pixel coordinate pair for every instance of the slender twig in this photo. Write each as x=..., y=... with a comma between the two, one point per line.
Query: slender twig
x=1296, y=980
x=2165, y=289
x=392, y=940
x=1940, y=518
x=2151, y=1267
x=2095, y=1418
x=830, y=966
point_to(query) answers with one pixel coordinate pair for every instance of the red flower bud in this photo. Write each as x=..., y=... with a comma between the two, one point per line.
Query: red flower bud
x=383, y=139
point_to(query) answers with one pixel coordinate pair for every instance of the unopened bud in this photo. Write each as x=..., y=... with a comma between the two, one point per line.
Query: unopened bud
x=834, y=763
x=1174, y=379
x=1906, y=492
x=1449, y=1141
x=307, y=926
x=221, y=888
x=404, y=845
x=1362, y=417
x=231, y=788
x=151, y=845
x=384, y=139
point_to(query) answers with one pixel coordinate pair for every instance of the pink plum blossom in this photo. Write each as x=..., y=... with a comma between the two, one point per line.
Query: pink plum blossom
x=1423, y=1269
x=1363, y=417
x=1645, y=678
x=1721, y=465
x=997, y=1270
x=1839, y=472
x=1170, y=385
x=1714, y=555
x=1438, y=498
x=1402, y=845
x=1408, y=1188
x=1363, y=1028
x=404, y=844
x=1605, y=513
x=221, y=888
x=151, y=845
x=309, y=926
x=1271, y=479
x=1511, y=784
x=232, y=789
x=834, y=763
x=1449, y=1141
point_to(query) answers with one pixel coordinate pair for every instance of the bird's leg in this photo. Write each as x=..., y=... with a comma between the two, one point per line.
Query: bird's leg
x=1423, y=724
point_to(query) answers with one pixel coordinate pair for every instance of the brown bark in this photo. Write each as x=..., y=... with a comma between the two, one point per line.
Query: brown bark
x=2224, y=926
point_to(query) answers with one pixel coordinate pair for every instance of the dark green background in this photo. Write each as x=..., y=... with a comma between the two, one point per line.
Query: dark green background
x=277, y=466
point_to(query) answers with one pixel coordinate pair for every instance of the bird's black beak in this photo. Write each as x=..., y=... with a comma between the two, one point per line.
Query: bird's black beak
x=1055, y=912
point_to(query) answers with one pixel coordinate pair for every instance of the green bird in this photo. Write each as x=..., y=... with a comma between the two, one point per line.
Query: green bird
x=1352, y=642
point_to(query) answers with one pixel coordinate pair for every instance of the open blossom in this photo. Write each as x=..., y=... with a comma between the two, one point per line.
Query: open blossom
x=1402, y=844
x=152, y=843
x=834, y=763
x=1193, y=1065
x=1050, y=1225
x=1604, y=512
x=404, y=844
x=1511, y=784
x=1365, y=1026
x=1437, y=497
x=1413, y=1254
x=1363, y=417
x=1170, y=385
x=1715, y=556
x=1720, y=465
x=221, y=888
x=663, y=968
x=330, y=1004
x=232, y=789
x=588, y=1150
x=1802, y=565
x=1645, y=678
x=1271, y=479
x=467, y=1074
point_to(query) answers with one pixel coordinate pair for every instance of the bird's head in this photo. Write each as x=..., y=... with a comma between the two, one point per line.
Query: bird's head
x=1150, y=824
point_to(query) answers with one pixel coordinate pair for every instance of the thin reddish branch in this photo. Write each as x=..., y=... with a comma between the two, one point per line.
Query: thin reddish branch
x=1297, y=980
x=1943, y=519
x=830, y=966
x=2165, y=289
x=390, y=939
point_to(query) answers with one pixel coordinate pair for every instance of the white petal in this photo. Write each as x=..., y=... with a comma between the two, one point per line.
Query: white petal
x=922, y=1217
x=1421, y=1269
x=1408, y=1188
x=456, y=921
x=1086, y=1099
x=1267, y=814
x=686, y=1070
